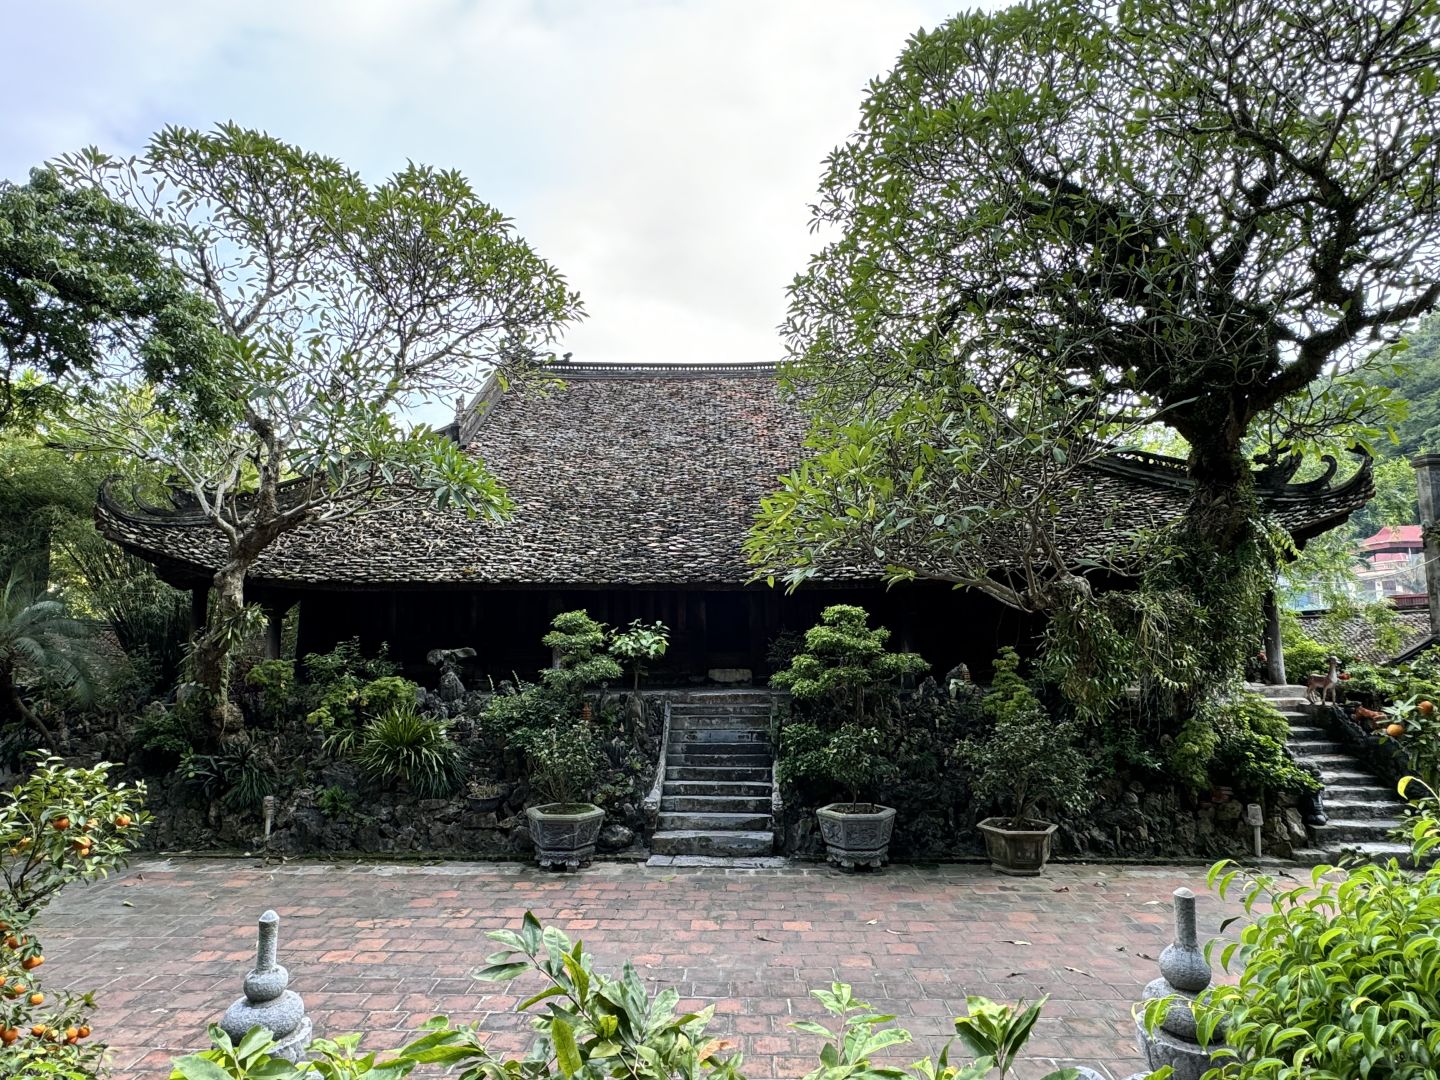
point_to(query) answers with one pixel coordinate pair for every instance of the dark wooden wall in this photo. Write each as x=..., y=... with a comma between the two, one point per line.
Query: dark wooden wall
x=710, y=628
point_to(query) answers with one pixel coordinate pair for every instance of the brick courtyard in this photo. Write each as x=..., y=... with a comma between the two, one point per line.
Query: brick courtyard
x=382, y=948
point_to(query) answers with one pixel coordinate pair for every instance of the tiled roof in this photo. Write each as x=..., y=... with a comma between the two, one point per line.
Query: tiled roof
x=1356, y=636
x=630, y=476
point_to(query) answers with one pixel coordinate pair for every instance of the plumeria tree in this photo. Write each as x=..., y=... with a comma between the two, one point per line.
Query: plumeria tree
x=1206, y=215
x=338, y=303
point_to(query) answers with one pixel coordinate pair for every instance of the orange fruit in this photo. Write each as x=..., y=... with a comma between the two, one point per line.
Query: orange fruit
x=84, y=1031
x=30, y=963
x=1395, y=730
x=62, y=823
x=12, y=941
x=9, y=1035
x=37, y=998
x=1426, y=708
x=38, y=1031
x=122, y=821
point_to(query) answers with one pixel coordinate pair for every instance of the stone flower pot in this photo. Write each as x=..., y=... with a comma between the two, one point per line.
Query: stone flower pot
x=565, y=833
x=1019, y=852
x=857, y=834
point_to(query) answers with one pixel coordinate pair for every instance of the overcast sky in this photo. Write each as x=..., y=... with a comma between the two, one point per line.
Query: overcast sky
x=662, y=153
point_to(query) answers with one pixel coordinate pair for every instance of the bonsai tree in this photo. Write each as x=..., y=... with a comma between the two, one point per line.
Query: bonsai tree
x=580, y=658
x=850, y=758
x=845, y=660
x=563, y=764
x=638, y=644
x=1027, y=757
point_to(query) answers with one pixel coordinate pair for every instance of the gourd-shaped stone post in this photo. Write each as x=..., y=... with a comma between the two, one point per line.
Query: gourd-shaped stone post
x=268, y=1002
x=1184, y=973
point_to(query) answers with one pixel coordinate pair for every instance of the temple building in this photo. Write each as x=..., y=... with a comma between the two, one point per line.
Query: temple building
x=634, y=487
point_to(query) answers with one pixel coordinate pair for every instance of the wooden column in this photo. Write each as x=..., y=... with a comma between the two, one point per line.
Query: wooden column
x=1274, y=646
x=275, y=612
x=199, y=608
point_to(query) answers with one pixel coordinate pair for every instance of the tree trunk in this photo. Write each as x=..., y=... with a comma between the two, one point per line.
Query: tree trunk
x=210, y=659
x=10, y=695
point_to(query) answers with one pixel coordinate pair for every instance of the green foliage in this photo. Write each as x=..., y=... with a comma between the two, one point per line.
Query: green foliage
x=335, y=802
x=57, y=826
x=639, y=643
x=995, y=1033
x=1028, y=759
x=240, y=773
x=401, y=745
x=1237, y=738
x=275, y=681
x=162, y=735
x=41, y=648
x=580, y=659
x=1338, y=976
x=844, y=660
x=345, y=688
x=563, y=762
x=849, y=757
x=86, y=290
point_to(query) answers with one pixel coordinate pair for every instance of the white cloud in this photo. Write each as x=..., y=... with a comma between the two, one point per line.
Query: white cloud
x=662, y=153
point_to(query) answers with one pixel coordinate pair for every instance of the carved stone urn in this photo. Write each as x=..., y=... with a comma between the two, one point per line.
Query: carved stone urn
x=565, y=833
x=856, y=834
x=1019, y=852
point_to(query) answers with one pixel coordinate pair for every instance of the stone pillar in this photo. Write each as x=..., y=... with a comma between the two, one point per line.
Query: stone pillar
x=1427, y=477
x=1274, y=646
x=275, y=613
x=268, y=1003
x=1184, y=973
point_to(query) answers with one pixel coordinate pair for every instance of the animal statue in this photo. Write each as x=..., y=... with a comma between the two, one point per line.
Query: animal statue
x=1319, y=688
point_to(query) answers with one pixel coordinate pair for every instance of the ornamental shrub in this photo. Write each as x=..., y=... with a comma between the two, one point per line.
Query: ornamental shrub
x=1028, y=760
x=1237, y=738
x=402, y=745
x=562, y=763
x=581, y=662
x=845, y=661
x=57, y=826
x=849, y=758
x=1340, y=976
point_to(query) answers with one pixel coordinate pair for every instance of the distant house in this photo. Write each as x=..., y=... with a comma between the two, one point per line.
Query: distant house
x=1393, y=566
x=634, y=487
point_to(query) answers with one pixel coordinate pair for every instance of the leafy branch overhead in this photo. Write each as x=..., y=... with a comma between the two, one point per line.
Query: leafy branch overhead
x=1064, y=222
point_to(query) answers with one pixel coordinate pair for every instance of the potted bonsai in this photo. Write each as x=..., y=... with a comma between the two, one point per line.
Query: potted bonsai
x=837, y=678
x=563, y=766
x=1028, y=758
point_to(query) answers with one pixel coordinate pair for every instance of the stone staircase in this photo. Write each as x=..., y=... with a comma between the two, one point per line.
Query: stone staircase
x=718, y=769
x=1361, y=809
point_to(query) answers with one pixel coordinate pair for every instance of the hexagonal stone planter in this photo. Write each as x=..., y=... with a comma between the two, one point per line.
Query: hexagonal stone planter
x=565, y=834
x=856, y=834
x=1018, y=852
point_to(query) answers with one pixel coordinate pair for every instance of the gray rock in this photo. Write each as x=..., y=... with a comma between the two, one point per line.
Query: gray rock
x=615, y=837
x=1294, y=827
x=520, y=840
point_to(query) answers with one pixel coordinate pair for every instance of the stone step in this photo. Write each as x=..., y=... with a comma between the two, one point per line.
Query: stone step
x=716, y=772
x=1348, y=809
x=716, y=787
x=709, y=821
x=699, y=757
x=698, y=842
x=1310, y=747
x=1366, y=790
x=716, y=804
x=758, y=722
x=1346, y=831
x=1376, y=851
x=705, y=697
x=1336, y=759
x=720, y=735
x=1308, y=731
x=1350, y=777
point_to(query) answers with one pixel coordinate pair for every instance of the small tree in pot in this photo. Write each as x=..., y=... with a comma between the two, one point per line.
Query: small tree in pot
x=563, y=765
x=1027, y=760
x=844, y=664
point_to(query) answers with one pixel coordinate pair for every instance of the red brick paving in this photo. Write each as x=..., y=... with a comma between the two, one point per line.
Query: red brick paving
x=382, y=948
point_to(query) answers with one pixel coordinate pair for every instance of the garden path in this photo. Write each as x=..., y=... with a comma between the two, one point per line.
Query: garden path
x=383, y=947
